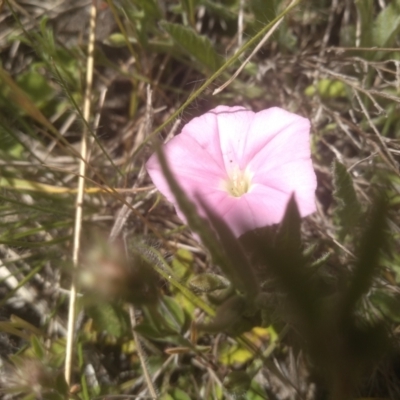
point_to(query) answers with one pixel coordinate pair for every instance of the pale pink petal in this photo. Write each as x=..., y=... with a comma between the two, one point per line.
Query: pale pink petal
x=261, y=207
x=233, y=127
x=284, y=162
x=275, y=136
x=193, y=168
x=217, y=201
x=204, y=130
x=296, y=177
x=222, y=132
x=191, y=165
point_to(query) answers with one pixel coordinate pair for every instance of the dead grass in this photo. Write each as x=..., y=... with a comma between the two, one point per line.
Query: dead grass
x=311, y=67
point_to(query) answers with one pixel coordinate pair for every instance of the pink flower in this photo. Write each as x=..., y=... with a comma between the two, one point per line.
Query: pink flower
x=243, y=165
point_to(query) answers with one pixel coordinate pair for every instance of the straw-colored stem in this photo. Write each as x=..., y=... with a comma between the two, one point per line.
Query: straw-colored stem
x=79, y=197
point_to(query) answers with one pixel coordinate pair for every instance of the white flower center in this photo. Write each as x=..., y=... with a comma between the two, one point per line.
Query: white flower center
x=239, y=182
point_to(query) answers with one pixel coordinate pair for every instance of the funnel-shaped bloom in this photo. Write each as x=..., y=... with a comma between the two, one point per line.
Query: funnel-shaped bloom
x=244, y=165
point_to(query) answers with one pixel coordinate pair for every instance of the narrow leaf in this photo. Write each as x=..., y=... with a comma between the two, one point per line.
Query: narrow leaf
x=289, y=234
x=208, y=282
x=389, y=305
x=22, y=100
x=237, y=383
x=372, y=241
x=365, y=11
x=196, y=45
x=110, y=318
x=387, y=25
x=348, y=209
x=240, y=270
x=284, y=258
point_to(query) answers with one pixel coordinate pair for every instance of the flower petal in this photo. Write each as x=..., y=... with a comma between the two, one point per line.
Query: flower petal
x=260, y=207
x=296, y=177
x=275, y=137
x=192, y=165
x=193, y=168
x=222, y=132
x=283, y=162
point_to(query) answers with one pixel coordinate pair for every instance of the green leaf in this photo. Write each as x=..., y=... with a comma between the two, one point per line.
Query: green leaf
x=190, y=8
x=164, y=336
x=234, y=354
x=289, y=235
x=24, y=102
x=36, y=86
x=233, y=317
x=199, y=47
x=387, y=304
x=265, y=11
x=219, y=296
x=348, y=209
x=61, y=385
x=182, y=263
x=224, y=11
x=237, y=265
x=148, y=331
x=321, y=260
x=166, y=397
x=366, y=13
x=372, y=241
x=175, y=315
x=287, y=265
x=256, y=392
x=110, y=318
x=150, y=8
x=162, y=324
x=237, y=382
x=208, y=282
x=178, y=394
x=37, y=347
x=387, y=25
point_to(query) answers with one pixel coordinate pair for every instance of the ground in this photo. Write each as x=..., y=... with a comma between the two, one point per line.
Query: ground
x=146, y=288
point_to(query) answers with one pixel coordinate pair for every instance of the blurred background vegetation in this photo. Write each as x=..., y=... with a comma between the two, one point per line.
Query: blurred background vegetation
x=325, y=325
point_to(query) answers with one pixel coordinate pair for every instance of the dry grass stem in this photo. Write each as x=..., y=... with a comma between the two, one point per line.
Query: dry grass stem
x=142, y=355
x=80, y=194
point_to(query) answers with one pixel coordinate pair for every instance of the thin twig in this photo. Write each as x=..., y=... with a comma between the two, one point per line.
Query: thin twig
x=391, y=160
x=173, y=130
x=142, y=355
x=240, y=23
x=362, y=160
x=374, y=48
x=79, y=197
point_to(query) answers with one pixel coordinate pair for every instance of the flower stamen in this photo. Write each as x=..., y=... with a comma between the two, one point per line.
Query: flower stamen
x=239, y=182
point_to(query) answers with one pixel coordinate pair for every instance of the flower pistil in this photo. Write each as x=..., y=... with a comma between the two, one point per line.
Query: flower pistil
x=239, y=182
